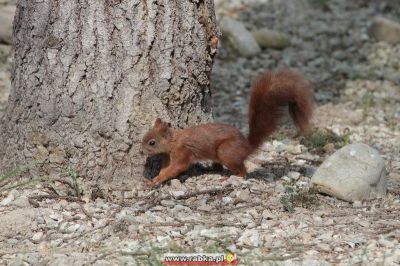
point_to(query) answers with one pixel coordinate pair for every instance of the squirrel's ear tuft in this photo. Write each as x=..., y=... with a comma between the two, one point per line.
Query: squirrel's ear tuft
x=160, y=125
x=158, y=122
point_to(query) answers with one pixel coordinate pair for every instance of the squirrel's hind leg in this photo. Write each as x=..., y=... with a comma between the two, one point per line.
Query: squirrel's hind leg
x=232, y=154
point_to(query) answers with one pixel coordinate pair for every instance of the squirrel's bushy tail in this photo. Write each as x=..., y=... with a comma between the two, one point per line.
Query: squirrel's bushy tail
x=271, y=92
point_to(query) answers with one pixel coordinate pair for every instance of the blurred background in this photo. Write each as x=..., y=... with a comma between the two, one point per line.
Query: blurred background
x=350, y=50
x=344, y=47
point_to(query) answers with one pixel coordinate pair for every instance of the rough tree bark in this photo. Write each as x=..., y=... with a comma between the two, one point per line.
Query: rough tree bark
x=90, y=77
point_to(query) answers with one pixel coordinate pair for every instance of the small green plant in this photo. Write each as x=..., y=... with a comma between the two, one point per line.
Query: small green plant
x=393, y=125
x=367, y=100
x=75, y=183
x=346, y=136
x=217, y=245
x=319, y=137
x=280, y=134
x=25, y=183
x=296, y=196
x=154, y=259
x=17, y=170
x=10, y=177
x=318, y=2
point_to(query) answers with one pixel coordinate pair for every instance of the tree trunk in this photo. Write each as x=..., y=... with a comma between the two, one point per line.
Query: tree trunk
x=90, y=77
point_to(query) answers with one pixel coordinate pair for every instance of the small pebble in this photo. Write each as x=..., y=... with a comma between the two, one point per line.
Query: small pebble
x=357, y=204
x=37, y=236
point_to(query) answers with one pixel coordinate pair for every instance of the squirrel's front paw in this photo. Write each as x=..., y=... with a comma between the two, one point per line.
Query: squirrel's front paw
x=149, y=183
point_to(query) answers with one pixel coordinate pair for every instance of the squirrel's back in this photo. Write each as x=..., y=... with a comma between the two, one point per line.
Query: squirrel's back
x=204, y=140
x=271, y=92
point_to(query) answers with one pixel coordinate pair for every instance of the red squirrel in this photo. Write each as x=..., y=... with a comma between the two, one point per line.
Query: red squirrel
x=225, y=144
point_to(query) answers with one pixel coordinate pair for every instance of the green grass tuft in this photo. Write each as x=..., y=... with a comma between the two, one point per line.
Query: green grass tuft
x=296, y=196
x=74, y=178
x=319, y=137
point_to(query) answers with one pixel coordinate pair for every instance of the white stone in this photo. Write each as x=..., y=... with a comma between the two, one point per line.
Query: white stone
x=285, y=178
x=6, y=201
x=168, y=203
x=267, y=38
x=204, y=207
x=213, y=233
x=357, y=204
x=21, y=202
x=37, y=236
x=227, y=200
x=268, y=215
x=6, y=20
x=250, y=237
x=177, y=193
x=243, y=195
x=279, y=188
x=294, y=149
x=385, y=243
x=56, y=217
x=293, y=175
x=324, y=247
x=236, y=35
x=355, y=172
x=385, y=30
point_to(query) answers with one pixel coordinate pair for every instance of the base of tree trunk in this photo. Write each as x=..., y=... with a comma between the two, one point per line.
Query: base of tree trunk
x=89, y=79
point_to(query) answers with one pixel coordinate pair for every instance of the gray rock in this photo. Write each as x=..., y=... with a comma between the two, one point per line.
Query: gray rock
x=21, y=202
x=17, y=219
x=6, y=201
x=168, y=203
x=12, y=241
x=268, y=215
x=213, y=233
x=357, y=204
x=293, y=175
x=250, y=237
x=238, y=37
x=6, y=20
x=102, y=263
x=324, y=247
x=176, y=184
x=205, y=207
x=75, y=205
x=68, y=228
x=385, y=243
x=51, y=224
x=285, y=178
x=56, y=216
x=56, y=206
x=279, y=188
x=32, y=258
x=17, y=261
x=177, y=193
x=267, y=38
x=385, y=30
x=37, y=236
x=326, y=236
x=294, y=149
x=355, y=172
x=227, y=200
x=243, y=195
x=233, y=180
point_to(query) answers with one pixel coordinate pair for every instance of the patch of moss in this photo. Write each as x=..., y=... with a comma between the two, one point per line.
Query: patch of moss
x=318, y=138
x=297, y=196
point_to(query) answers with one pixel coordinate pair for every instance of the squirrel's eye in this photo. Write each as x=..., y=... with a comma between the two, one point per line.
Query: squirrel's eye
x=152, y=142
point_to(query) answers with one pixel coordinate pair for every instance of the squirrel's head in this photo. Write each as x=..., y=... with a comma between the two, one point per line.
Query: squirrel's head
x=157, y=140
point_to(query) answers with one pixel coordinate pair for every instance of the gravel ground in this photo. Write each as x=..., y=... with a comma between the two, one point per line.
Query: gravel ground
x=272, y=217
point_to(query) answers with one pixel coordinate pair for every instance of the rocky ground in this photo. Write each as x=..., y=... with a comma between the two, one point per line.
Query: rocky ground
x=273, y=217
